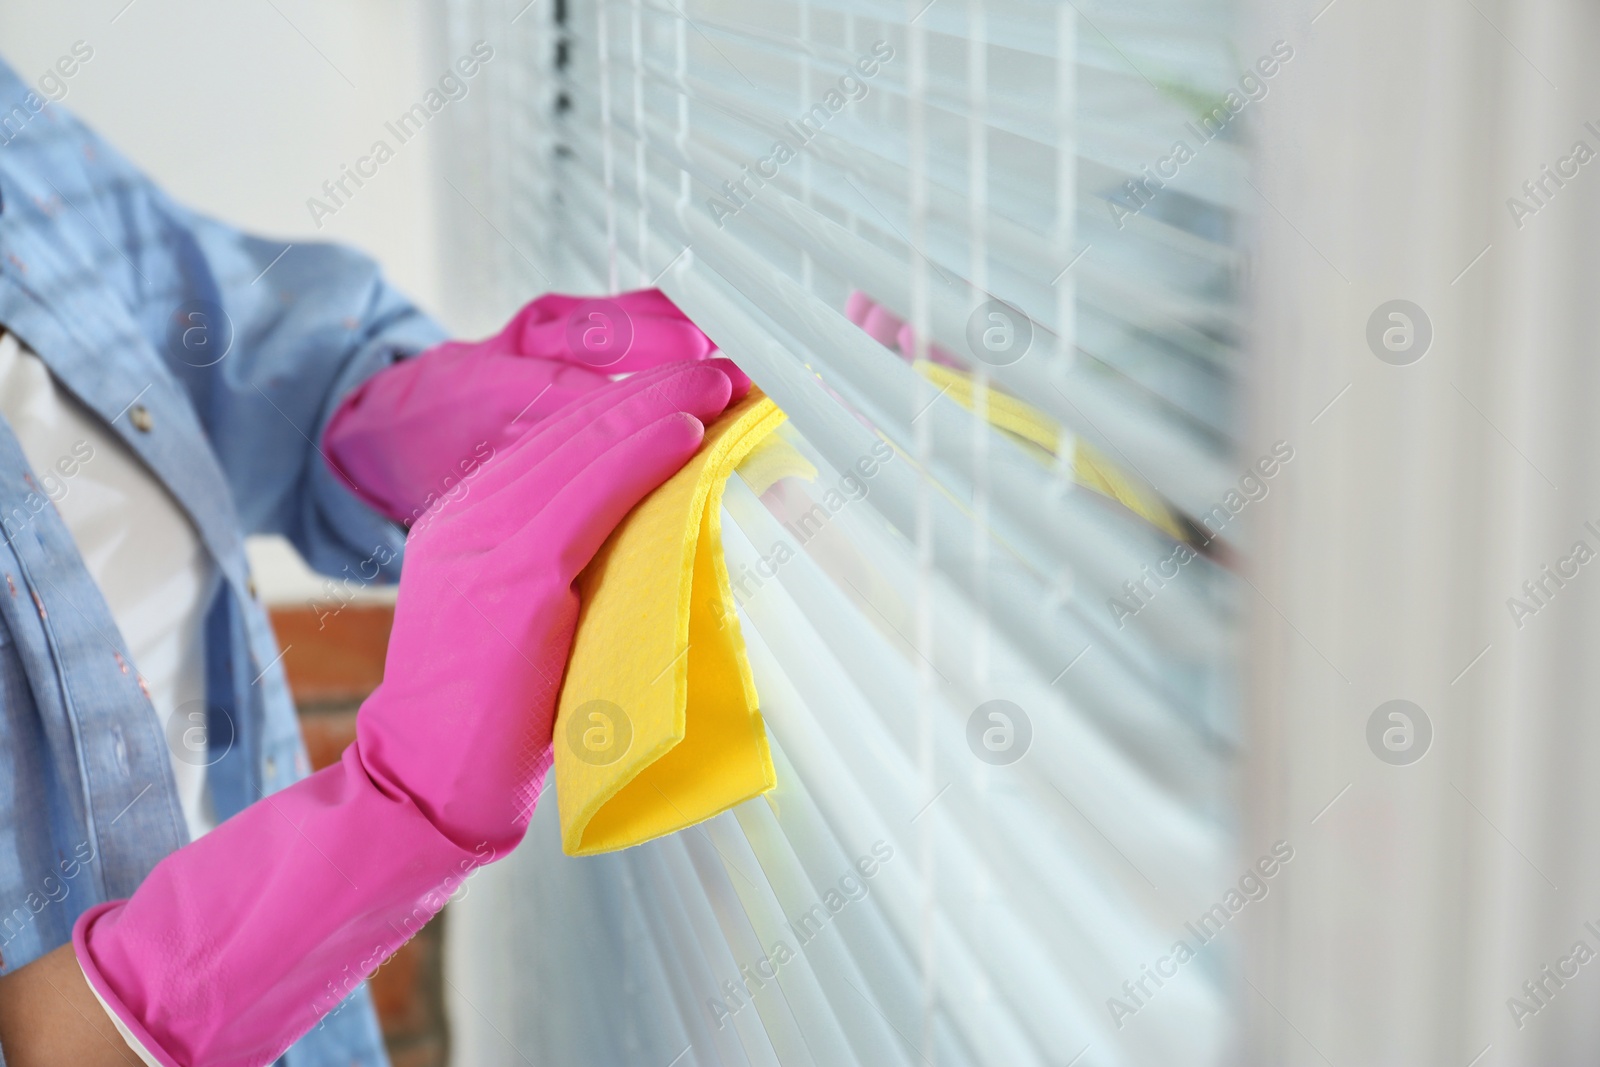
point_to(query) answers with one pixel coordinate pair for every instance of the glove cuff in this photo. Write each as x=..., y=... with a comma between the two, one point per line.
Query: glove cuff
x=133, y=1032
x=240, y=942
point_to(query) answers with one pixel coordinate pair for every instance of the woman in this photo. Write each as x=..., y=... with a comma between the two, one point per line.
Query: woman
x=172, y=883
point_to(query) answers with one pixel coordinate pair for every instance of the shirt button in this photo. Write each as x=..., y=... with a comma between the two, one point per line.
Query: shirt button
x=139, y=415
x=271, y=767
x=250, y=585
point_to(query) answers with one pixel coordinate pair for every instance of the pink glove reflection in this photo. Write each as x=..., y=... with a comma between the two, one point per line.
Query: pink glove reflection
x=409, y=435
x=237, y=944
x=891, y=331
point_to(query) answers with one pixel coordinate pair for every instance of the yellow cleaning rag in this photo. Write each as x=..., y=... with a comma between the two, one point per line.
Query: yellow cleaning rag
x=659, y=726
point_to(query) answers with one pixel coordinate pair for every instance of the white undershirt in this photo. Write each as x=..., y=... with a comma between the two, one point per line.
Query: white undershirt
x=139, y=546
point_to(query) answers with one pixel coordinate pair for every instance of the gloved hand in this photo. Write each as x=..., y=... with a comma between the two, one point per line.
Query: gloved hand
x=237, y=944
x=409, y=434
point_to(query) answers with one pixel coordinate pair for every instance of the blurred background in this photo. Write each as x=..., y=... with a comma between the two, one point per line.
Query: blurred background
x=1203, y=681
x=244, y=111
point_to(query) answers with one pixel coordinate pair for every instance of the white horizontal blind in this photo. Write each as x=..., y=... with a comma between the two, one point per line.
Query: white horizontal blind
x=973, y=149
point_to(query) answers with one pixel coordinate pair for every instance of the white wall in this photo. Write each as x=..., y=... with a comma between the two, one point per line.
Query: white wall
x=243, y=110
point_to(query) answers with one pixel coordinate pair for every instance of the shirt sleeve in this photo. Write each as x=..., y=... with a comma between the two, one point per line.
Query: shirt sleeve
x=266, y=336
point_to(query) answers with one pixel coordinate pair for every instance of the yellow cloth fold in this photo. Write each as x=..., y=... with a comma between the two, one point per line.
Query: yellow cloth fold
x=772, y=460
x=659, y=726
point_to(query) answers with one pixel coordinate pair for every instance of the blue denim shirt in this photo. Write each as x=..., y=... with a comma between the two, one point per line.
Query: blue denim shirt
x=108, y=280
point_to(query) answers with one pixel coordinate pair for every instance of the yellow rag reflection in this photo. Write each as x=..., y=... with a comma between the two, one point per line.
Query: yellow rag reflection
x=659, y=726
x=1028, y=424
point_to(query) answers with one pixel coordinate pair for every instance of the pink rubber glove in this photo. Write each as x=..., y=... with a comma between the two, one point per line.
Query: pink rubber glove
x=409, y=435
x=237, y=944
